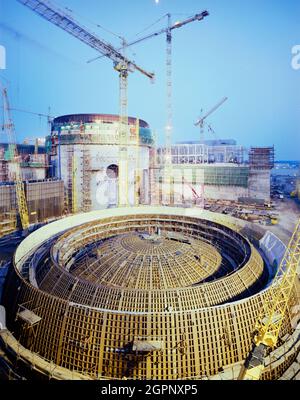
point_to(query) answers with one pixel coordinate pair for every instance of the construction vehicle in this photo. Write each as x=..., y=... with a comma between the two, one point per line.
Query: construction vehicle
x=121, y=64
x=201, y=120
x=19, y=185
x=273, y=311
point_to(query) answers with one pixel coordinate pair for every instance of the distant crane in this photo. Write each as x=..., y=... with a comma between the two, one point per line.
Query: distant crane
x=12, y=146
x=121, y=64
x=273, y=310
x=201, y=120
x=169, y=120
x=41, y=115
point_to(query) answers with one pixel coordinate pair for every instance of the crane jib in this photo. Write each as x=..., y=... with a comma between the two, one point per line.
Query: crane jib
x=64, y=21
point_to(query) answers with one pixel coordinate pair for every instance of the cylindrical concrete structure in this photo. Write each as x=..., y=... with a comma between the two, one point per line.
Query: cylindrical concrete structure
x=140, y=293
x=84, y=150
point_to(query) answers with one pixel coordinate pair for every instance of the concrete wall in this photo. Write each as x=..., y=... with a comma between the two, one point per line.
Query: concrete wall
x=103, y=188
x=45, y=199
x=225, y=192
x=259, y=184
x=190, y=176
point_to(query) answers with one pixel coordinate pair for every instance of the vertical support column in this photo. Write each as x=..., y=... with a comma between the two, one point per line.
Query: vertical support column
x=137, y=188
x=168, y=187
x=74, y=191
x=86, y=181
x=153, y=174
x=123, y=139
x=11, y=136
x=69, y=183
x=62, y=334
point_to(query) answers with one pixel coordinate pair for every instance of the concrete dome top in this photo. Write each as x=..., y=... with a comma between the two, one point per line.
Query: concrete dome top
x=92, y=118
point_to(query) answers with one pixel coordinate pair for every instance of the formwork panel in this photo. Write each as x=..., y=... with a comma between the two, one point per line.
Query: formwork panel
x=92, y=323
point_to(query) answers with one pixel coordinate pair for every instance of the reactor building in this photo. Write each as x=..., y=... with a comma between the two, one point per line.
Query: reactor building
x=84, y=151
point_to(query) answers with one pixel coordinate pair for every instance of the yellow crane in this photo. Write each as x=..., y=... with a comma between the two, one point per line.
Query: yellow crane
x=123, y=65
x=12, y=145
x=269, y=322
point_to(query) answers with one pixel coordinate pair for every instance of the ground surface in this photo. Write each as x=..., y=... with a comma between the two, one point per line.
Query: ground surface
x=289, y=213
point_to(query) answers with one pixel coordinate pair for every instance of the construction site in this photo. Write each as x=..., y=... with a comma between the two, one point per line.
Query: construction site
x=124, y=259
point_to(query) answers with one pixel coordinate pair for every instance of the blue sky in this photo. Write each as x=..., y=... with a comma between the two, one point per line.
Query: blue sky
x=242, y=50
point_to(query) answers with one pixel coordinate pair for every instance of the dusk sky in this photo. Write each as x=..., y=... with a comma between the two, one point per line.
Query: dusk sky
x=242, y=50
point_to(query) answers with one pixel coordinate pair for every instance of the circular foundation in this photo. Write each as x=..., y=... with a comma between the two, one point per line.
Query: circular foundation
x=141, y=293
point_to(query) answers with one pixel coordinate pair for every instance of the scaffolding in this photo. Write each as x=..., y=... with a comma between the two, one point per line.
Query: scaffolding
x=199, y=153
x=71, y=190
x=261, y=157
x=8, y=223
x=8, y=216
x=30, y=321
x=3, y=166
x=153, y=177
x=86, y=180
x=138, y=185
x=211, y=175
x=226, y=175
x=74, y=192
x=68, y=187
x=105, y=311
x=45, y=200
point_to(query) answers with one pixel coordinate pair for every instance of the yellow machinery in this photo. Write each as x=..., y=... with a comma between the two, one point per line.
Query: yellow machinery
x=273, y=310
x=20, y=191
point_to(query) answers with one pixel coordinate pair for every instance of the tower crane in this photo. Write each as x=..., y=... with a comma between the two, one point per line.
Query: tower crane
x=121, y=64
x=169, y=120
x=271, y=316
x=201, y=120
x=170, y=28
x=12, y=145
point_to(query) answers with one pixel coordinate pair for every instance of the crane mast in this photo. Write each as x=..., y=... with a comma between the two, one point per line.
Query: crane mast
x=123, y=65
x=12, y=145
x=168, y=195
x=273, y=310
x=123, y=200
